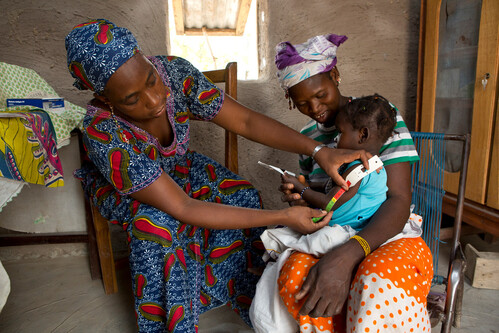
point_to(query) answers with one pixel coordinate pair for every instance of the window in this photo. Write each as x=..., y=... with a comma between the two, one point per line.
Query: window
x=211, y=37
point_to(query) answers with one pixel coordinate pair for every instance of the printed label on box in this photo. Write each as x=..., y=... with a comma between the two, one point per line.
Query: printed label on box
x=48, y=104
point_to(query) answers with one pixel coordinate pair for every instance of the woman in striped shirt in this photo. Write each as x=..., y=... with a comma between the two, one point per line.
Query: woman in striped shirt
x=363, y=286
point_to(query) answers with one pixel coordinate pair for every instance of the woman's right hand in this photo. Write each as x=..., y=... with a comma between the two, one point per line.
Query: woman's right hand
x=300, y=219
x=326, y=288
x=290, y=194
x=331, y=159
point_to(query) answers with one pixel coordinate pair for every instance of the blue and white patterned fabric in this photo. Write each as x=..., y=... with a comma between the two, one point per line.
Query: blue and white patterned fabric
x=179, y=271
x=95, y=50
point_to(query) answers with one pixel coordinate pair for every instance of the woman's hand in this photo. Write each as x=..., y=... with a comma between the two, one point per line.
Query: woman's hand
x=328, y=282
x=300, y=219
x=331, y=159
x=291, y=188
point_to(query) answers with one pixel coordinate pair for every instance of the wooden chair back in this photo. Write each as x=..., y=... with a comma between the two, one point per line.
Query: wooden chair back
x=229, y=77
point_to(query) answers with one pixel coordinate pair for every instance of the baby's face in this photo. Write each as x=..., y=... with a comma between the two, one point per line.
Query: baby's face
x=349, y=138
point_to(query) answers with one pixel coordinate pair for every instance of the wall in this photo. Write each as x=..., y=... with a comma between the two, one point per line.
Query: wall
x=379, y=56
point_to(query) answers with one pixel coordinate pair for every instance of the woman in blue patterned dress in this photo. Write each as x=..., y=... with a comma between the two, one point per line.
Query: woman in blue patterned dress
x=193, y=226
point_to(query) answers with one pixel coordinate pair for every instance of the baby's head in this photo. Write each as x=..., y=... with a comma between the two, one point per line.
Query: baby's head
x=366, y=123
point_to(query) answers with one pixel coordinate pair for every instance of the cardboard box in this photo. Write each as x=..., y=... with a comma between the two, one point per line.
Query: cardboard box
x=482, y=268
x=47, y=104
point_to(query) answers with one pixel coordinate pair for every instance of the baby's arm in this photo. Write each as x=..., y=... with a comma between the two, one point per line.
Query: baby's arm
x=345, y=196
x=313, y=198
x=319, y=199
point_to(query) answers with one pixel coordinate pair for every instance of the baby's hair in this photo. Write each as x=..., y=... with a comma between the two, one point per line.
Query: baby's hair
x=373, y=112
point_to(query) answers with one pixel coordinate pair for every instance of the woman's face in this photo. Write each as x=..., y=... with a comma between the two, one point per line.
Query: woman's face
x=136, y=90
x=318, y=97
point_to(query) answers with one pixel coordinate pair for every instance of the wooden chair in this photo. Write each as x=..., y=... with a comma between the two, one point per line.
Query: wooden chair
x=98, y=228
x=427, y=196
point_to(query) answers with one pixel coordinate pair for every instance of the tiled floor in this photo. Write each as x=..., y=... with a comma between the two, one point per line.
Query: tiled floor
x=57, y=295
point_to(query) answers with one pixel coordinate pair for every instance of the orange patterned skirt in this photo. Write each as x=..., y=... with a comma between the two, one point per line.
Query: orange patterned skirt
x=388, y=293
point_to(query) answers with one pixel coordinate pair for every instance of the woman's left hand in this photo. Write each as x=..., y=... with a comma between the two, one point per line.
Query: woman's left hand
x=331, y=159
x=328, y=282
x=300, y=219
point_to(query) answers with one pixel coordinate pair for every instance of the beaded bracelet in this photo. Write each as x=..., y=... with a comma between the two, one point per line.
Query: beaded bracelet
x=363, y=243
x=302, y=191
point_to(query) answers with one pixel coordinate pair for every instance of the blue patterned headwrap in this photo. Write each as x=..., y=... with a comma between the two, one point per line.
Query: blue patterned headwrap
x=95, y=50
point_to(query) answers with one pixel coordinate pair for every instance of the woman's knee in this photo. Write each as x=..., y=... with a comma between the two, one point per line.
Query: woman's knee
x=407, y=263
x=294, y=272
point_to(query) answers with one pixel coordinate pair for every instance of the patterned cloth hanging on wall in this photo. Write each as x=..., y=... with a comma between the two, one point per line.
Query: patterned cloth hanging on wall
x=28, y=148
x=20, y=82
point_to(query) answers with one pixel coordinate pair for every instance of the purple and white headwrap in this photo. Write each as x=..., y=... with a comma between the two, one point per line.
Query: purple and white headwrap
x=296, y=63
x=95, y=50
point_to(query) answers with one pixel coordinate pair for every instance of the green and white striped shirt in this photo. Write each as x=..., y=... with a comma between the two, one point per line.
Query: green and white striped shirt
x=398, y=148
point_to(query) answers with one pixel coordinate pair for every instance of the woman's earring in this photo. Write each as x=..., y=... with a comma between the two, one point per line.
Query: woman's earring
x=111, y=109
x=291, y=104
x=339, y=80
x=120, y=130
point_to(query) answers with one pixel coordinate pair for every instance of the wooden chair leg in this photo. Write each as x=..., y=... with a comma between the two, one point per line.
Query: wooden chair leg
x=93, y=253
x=103, y=239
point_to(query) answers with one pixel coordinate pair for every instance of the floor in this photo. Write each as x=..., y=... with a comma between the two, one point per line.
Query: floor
x=57, y=295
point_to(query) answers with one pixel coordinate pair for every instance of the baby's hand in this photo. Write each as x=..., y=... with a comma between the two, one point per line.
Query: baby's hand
x=299, y=183
x=291, y=188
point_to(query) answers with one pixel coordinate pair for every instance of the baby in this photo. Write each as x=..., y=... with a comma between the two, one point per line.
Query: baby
x=365, y=123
